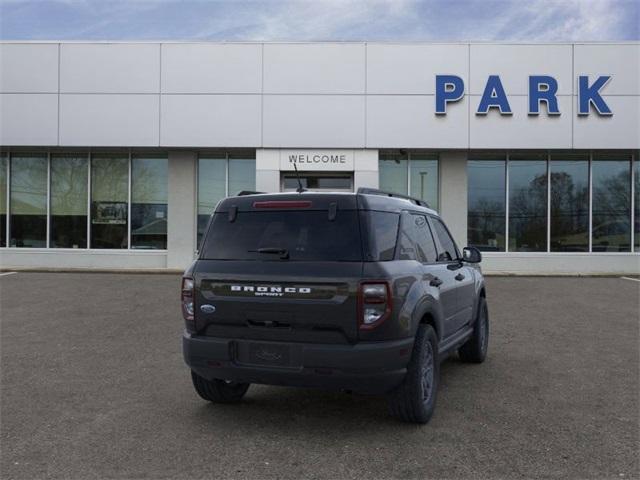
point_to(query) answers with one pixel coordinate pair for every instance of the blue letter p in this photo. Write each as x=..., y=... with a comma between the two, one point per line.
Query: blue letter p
x=449, y=88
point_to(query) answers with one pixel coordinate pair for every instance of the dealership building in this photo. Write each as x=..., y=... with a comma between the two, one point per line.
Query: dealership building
x=113, y=155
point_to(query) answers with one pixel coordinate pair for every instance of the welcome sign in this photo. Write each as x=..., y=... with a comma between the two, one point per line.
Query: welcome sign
x=317, y=160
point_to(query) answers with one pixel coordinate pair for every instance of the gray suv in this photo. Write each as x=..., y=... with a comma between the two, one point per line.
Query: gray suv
x=364, y=292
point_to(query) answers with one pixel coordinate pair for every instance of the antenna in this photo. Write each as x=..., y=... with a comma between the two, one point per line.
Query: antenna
x=299, y=189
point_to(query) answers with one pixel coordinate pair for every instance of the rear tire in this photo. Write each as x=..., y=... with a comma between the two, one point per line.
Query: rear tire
x=219, y=391
x=415, y=399
x=475, y=349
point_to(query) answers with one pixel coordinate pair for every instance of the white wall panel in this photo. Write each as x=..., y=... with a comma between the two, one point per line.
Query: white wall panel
x=411, y=69
x=211, y=120
x=514, y=64
x=109, y=120
x=313, y=121
x=521, y=130
x=621, y=130
x=110, y=68
x=211, y=68
x=28, y=68
x=409, y=121
x=620, y=61
x=28, y=119
x=314, y=68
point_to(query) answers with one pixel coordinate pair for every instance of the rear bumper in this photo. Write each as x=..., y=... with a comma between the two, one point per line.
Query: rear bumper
x=368, y=367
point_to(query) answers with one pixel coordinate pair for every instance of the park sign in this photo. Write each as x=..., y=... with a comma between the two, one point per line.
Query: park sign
x=542, y=89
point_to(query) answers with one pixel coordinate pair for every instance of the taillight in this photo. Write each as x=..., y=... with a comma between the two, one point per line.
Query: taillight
x=187, y=298
x=374, y=302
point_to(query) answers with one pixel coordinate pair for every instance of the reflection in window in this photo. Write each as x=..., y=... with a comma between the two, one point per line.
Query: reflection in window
x=28, y=223
x=393, y=172
x=211, y=188
x=109, y=196
x=528, y=203
x=611, y=181
x=149, y=196
x=569, y=203
x=424, y=178
x=69, y=201
x=636, y=189
x=3, y=200
x=486, y=203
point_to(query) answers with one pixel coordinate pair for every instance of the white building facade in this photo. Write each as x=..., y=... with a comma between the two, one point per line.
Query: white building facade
x=112, y=155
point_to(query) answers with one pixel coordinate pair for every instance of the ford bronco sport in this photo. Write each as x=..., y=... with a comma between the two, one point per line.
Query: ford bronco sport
x=364, y=292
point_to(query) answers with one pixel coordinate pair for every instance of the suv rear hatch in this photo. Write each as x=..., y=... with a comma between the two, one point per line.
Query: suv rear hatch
x=281, y=267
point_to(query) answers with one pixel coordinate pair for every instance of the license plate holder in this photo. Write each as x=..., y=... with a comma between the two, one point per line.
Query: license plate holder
x=265, y=354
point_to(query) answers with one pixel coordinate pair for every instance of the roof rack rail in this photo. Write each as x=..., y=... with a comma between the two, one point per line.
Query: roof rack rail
x=375, y=191
x=242, y=193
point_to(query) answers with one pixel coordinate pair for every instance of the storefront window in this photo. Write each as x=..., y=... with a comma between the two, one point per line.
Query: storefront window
x=486, y=204
x=68, y=201
x=211, y=188
x=423, y=172
x=3, y=200
x=569, y=203
x=393, y=171
x=611, y=181
x=28, y=223
x=109, y=197
x=528, y=203
x=221, y=175
x=242, y=173
x=149, y=197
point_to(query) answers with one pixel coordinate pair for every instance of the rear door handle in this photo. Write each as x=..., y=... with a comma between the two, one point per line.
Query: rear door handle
x=435, y=282
x=459, y=277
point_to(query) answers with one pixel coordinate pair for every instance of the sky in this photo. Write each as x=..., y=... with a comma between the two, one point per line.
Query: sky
x=321, y=20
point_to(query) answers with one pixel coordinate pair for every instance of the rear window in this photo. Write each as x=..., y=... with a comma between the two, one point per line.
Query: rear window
x=304, y=235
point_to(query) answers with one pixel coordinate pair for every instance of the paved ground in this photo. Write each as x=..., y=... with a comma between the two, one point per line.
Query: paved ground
x=93, y=386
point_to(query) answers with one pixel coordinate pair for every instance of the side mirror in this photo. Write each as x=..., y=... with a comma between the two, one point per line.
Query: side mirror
x=471, y=255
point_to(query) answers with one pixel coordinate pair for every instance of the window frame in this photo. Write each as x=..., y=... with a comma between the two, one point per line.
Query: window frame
x=439, y=247
x=408, y=156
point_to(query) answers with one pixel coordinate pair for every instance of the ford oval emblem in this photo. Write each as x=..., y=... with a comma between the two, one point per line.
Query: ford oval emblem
x=206, y=308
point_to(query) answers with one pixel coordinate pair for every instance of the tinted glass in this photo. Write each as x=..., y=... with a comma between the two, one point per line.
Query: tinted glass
x=424, y=178
x=212, y=174
x=242, y=175
x=569, y=204
x=446, y=242
x=28, y=201
x=308, y=236
x=393, y=172
x=611, y=230
x=527, y=205
x=425, y=246
x=149, y=198
x=636, y=189
x=109, y=197
x=3, y=200
x=382, y=228
x=69, y=180
x=487, y=204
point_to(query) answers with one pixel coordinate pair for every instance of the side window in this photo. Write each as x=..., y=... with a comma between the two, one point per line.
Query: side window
x=383, y=230
x=416, y=241
x=449, y=247
x=406, y=240
x=426, y=245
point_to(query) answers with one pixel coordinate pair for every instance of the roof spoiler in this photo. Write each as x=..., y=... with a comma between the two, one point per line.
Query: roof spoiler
x=242, y=193
x=375, y=191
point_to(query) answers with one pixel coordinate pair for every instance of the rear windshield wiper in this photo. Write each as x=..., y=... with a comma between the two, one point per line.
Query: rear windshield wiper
x=283, y=252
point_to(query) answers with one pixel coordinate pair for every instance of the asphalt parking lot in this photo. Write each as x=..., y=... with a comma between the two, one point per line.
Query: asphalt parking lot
x=94, y=386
